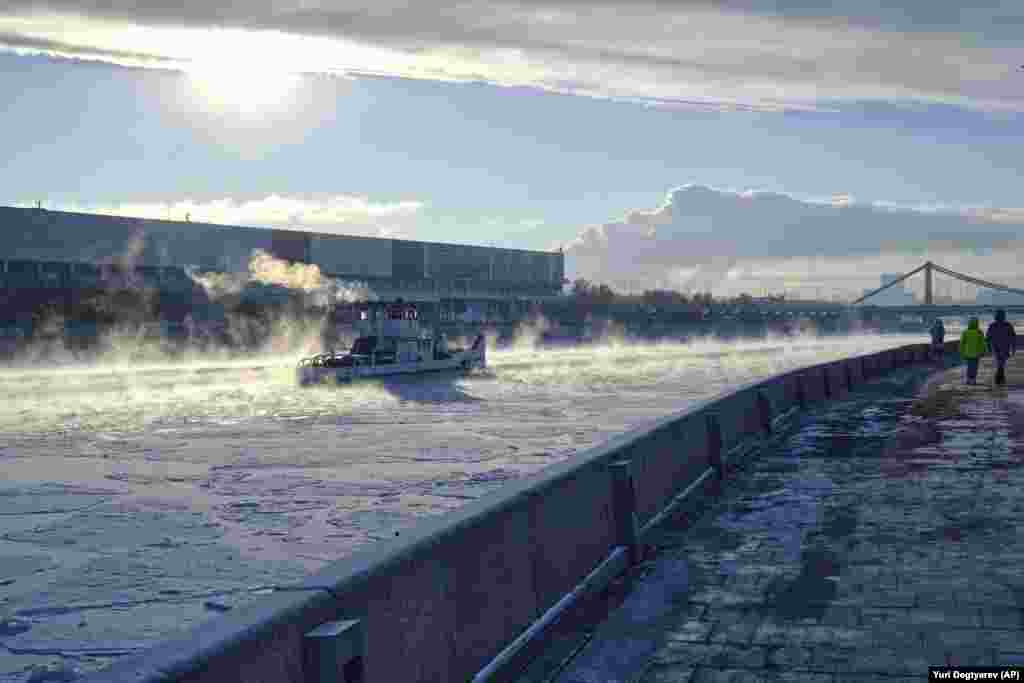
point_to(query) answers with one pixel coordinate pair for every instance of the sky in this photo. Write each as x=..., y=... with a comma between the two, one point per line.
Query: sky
x=742, y=145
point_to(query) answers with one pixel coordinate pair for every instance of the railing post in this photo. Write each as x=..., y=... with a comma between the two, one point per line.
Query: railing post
x=825, y=382
x=801, y=395
x=333, y=652
x=715, y=445
x=624, y=508
x=849, y=375
x=764, y=410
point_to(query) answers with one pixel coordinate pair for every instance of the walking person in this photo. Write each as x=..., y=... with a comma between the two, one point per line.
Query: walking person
x=1002, y=339
x=972, y=348
x=938, y=332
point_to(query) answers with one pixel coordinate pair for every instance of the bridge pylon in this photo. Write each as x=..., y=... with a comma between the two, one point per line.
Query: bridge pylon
x=928, y=299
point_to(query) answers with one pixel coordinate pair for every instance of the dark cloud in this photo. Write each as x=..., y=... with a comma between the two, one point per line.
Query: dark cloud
x=744, y=53
x=985, y=19
x=989, y=20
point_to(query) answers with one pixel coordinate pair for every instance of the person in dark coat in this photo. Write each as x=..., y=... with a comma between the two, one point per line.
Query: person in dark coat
x=938, y=333
x=1002, y=339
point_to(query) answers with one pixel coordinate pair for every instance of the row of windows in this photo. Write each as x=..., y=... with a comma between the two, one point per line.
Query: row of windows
x=478, y=287
x=41, y=274
x=53, y=274
x=458, y=286
x=65, y=268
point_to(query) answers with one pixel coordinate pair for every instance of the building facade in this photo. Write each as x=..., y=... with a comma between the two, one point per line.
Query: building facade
x=47, y=243
x=57, y=258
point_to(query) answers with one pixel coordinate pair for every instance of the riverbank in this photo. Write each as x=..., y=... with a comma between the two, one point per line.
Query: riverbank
x=877, y=537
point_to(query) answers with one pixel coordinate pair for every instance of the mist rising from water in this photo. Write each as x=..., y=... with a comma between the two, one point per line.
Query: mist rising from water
x=291, y=330
x=265, y=269
x=152, y=395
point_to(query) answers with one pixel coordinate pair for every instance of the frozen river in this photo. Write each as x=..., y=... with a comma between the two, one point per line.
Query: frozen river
x=137, y=500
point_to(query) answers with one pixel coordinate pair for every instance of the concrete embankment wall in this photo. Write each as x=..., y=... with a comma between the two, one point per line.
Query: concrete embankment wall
x=440, y=602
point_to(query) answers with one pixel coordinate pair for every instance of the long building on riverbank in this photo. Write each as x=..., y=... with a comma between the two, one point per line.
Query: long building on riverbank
x=42, y=244
x=54, y=254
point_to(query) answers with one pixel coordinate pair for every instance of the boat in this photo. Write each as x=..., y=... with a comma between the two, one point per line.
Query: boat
x=391, y=345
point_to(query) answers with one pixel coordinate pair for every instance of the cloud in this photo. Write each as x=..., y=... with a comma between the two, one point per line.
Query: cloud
x=342, y=214
x=29, y=44
x=730, y=242
x=737, y=55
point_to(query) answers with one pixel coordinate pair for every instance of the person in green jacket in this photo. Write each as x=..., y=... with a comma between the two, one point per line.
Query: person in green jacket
x=972, y=348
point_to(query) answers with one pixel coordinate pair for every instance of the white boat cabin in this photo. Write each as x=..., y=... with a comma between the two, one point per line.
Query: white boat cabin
x=396, y=337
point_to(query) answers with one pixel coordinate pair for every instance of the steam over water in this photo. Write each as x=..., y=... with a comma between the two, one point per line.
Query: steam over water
x=307, y=474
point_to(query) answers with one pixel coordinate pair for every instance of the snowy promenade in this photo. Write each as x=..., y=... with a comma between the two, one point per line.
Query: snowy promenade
x=878, y=536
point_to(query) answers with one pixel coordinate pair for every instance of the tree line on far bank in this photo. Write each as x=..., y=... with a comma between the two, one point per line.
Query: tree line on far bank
x=586, y=294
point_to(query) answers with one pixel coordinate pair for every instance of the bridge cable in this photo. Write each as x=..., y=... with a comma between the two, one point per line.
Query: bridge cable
x=945, y=271
x=891, y=284
x=977, y=281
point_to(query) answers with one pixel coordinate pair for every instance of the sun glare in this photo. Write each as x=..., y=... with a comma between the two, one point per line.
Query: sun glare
x=249, y=88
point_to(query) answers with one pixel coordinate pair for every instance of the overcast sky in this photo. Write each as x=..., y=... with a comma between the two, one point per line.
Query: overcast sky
x=737, y=144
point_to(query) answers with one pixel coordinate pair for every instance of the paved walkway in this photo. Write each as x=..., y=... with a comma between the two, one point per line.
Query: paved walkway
x=880, y=536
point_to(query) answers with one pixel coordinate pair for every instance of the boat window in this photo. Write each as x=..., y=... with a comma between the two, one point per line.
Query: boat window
x=364, y=345
x=401, y=312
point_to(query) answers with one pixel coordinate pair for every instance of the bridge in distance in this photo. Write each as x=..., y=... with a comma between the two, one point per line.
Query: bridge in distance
x=862, y=308
x=929, y=307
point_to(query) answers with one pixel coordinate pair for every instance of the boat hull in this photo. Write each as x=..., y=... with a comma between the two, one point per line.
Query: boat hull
x=459, y=362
